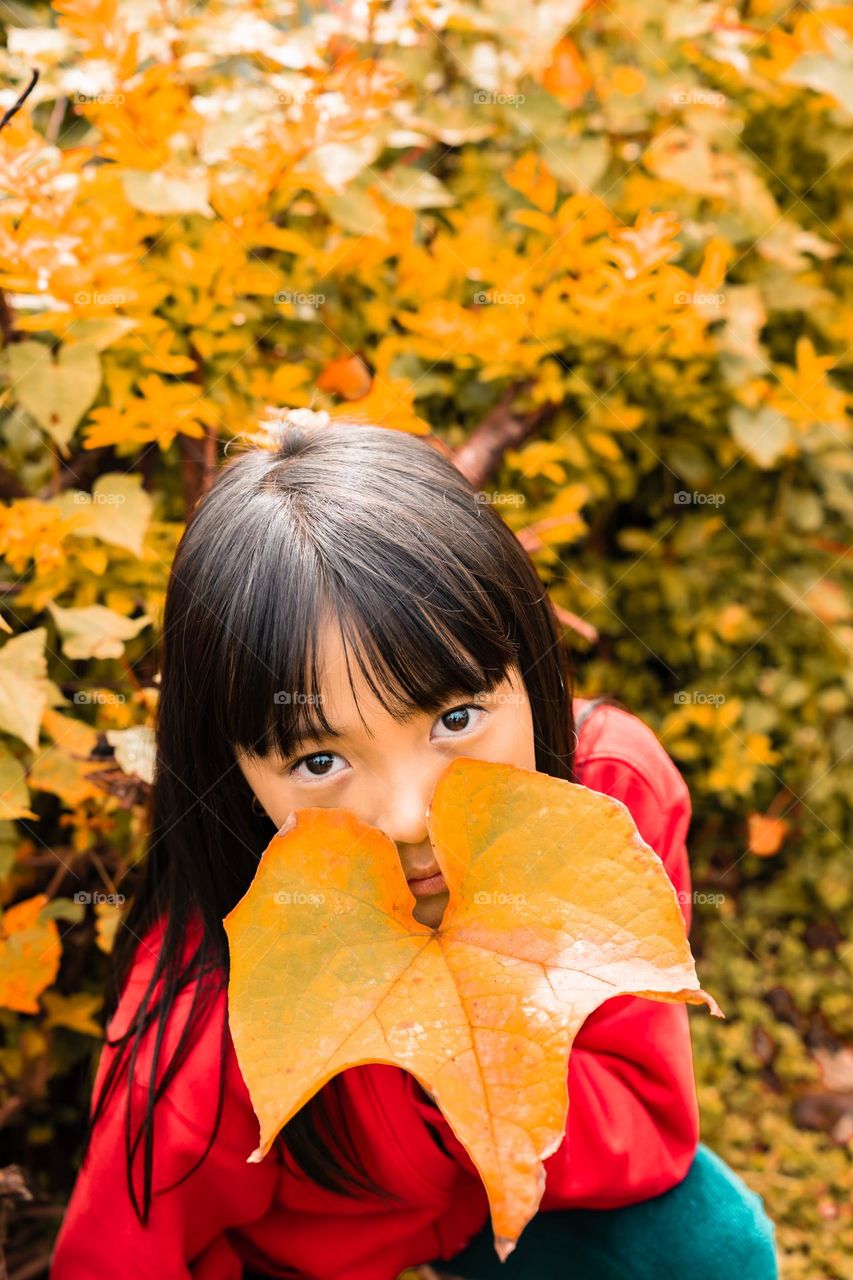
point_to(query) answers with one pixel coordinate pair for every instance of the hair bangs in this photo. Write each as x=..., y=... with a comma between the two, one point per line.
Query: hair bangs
x=414, y=653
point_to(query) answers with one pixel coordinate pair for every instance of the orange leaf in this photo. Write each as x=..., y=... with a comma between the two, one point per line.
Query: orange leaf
x=555, y=905
x=348, y=377
x=29, y=954
x=531, y=176
x=766, y=834
x=567, y=76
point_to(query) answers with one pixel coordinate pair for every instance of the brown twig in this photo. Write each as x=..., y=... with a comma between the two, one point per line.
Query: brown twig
x=501, y=429
x=7, y=320
x=198, y=456
x=13, y=1186
x=16, y=106
x=575, y=623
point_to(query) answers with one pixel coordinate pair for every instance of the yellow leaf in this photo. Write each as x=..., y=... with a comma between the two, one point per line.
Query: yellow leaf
x=389, y=403
x=626, y=80
x=605, y=446
x=58, y=772
x=75, y=736
x=74, y=1012
x=533, y=218
x=29, y=954
x=805, y=395
x=647, y=245
x=107, y=920
x=95, y=559
x=24, y=685
x=163, y=360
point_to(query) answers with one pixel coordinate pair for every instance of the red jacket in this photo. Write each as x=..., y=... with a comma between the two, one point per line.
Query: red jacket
x=632, y=1129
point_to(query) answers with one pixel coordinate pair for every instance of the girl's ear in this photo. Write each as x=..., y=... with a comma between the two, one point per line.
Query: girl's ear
x=257, y=807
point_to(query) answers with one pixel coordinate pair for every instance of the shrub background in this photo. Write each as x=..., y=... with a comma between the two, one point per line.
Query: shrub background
x=602, y=252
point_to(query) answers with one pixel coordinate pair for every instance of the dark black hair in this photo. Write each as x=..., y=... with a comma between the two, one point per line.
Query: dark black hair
x=434, y=595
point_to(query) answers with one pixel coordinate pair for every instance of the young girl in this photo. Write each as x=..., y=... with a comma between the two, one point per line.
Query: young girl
x=344, y=616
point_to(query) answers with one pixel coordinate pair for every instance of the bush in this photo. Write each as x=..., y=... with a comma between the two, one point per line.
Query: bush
x=603, y=256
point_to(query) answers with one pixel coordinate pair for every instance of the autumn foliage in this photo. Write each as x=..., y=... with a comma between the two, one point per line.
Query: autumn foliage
x=601, y=250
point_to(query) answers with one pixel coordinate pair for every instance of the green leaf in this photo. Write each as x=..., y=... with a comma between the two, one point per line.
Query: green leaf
x=765, y=436
x=23, y=685
x=354, y=212
x=117, y=511
x=578, y=162
x=63, y=909
x=414, y=188
x=135, y=750
x=151, y=191
x=824, y=75
x=14, y=792
x=56, y=393
x=100, y=331
x=95, y=631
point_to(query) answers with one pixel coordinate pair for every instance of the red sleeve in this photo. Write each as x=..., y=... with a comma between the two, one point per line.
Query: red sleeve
x=633, y=1123
x=185, y=1234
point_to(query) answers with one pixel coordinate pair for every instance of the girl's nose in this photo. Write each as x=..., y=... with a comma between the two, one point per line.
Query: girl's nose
x=402, y=811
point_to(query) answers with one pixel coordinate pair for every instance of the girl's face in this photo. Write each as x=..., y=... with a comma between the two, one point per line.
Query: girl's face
x=384, y=771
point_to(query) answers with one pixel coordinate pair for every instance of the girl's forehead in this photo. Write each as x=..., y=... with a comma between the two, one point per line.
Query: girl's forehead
x=343, y=688
x=349, y=701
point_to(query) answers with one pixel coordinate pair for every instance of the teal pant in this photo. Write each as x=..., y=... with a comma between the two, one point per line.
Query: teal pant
x=708, y=1227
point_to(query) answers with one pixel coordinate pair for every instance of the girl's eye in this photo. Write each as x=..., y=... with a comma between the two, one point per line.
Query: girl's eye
x=321, y=763
x=458, y=719
x=320, y=758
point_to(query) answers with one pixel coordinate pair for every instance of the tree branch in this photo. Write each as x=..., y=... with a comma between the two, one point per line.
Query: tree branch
x=480, y=456
x=16, y=106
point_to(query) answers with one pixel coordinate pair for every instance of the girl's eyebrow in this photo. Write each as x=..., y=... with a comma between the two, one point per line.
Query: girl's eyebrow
x=314, y=731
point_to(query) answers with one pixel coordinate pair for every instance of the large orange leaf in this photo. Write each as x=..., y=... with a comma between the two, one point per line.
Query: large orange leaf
x=555, y=905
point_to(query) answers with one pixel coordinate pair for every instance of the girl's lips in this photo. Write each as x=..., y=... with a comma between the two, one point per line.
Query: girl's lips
x=432, y=884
